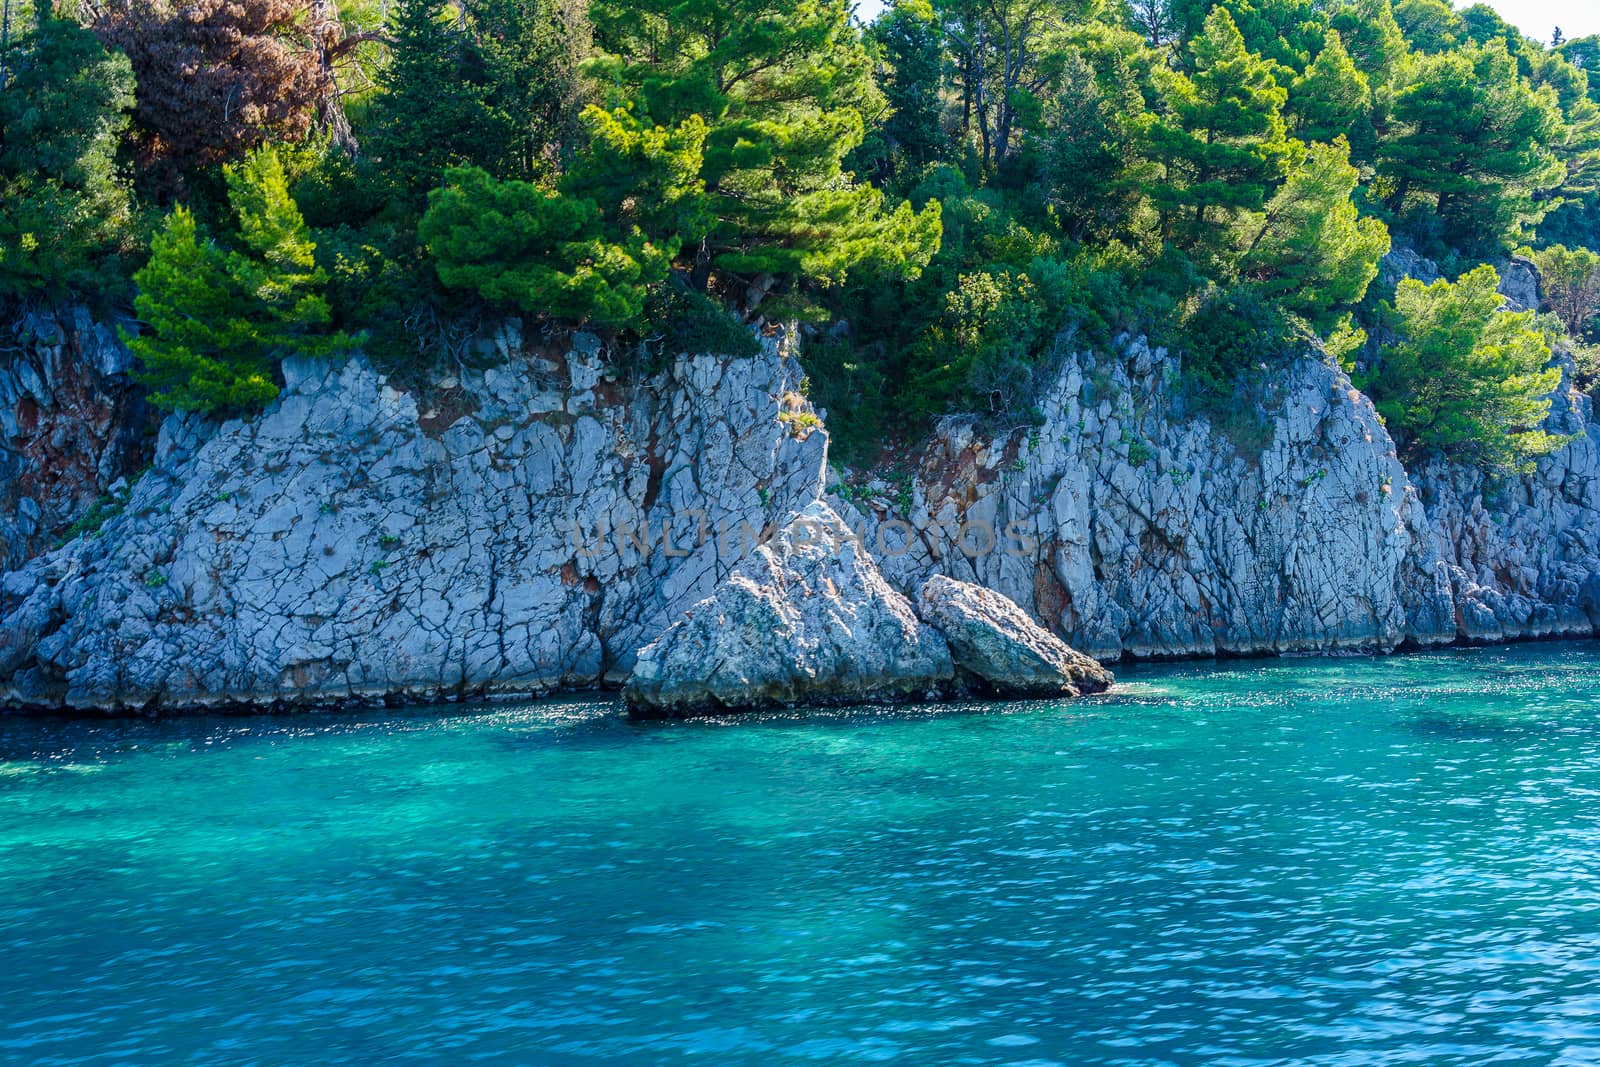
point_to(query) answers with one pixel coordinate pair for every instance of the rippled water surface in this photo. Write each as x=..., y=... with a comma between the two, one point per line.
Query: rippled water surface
x=1311, y=861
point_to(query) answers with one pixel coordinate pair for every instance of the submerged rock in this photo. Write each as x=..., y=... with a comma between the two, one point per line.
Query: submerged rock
x=805, y=618
x=995, y=643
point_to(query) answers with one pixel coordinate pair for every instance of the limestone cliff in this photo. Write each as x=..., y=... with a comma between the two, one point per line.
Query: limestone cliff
x=517, y=529
x=530, y=526
x=1137, y=530
x=71, y=426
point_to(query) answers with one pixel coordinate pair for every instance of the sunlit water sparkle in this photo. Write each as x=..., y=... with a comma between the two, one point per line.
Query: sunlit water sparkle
x=1310, y=861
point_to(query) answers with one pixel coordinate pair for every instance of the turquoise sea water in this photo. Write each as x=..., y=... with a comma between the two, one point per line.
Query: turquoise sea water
x=1316, y=861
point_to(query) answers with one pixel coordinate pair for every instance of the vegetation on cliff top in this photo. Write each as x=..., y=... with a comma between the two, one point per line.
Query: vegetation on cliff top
x=962, y=189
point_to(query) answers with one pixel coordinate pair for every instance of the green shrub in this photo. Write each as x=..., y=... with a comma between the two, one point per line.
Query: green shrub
x=1467, y=379
x=852, y=390
x=1232, y=333
x=512, y=242
x=217, y=320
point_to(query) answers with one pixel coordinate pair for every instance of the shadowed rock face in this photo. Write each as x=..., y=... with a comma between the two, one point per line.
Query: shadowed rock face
x=806, y=618
x=999, y=650
x=71, y=426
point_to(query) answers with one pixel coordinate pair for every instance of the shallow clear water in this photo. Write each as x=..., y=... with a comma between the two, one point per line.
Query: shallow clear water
x=1310, y=861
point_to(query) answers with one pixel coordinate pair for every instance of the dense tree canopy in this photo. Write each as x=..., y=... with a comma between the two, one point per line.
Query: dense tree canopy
x=1467, y=377
x=960, y=190
x=68, y=213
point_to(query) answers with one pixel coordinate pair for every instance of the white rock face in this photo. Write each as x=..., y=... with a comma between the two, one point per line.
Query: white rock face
x=806, y=618
x=1134, y=530
x=1002, y=651
x=357, y=542
x=1523, y=554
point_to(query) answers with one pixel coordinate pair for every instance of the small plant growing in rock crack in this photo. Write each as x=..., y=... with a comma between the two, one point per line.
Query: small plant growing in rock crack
x=1181, y=478
x=325, y=508
x=223, y=498
x=378, y=567
x=1139, y=453
x=1019, y=465
x=800, y=423
x=765, y=494
x=154, y=580
x=388, y=542
x=100, y=512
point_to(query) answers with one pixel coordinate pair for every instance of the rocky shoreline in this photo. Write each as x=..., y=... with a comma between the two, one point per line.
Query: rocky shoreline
x=539, y=524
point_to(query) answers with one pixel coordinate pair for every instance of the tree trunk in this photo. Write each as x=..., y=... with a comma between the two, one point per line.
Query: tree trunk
x=326, y=33
x=700, y=277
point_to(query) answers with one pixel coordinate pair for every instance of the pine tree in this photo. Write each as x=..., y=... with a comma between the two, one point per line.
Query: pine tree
x=67, y=210
x=530, y=51
x=781, y=88
x=1372, y=37
x=434, y=111
x=1224, y=142
x=909, y=35
x=512, y=242
x=1089, y=137
x=217, y=321
x=1430, y=25
x=1474, y=137
x=1468, y=379
x=1314, y=253
x=1332, y=96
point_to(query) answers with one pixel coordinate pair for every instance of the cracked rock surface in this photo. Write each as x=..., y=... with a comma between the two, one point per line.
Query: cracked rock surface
x=529, y=526
x=1135, y=529
x=71, y=426
x=519, y=529
x=1000, y=650
x=806, y=618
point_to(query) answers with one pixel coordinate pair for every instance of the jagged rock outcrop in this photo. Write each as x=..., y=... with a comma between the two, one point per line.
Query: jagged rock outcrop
x=1136, y=529
x=530, y=525
x=518, y=528
x=806, y=618
x=998, y=649
x=1523, y=554
x=72, y=426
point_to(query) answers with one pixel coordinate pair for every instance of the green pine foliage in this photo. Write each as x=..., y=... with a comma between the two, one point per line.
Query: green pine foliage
x=1467, y=379
x=217, y=320
x=910, y=38
x=1223, y=143
x=68, y=225
x=1314, y=254
x=1332, y=98
x=783, y=90
x=1472, y=149
x=512, y=242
